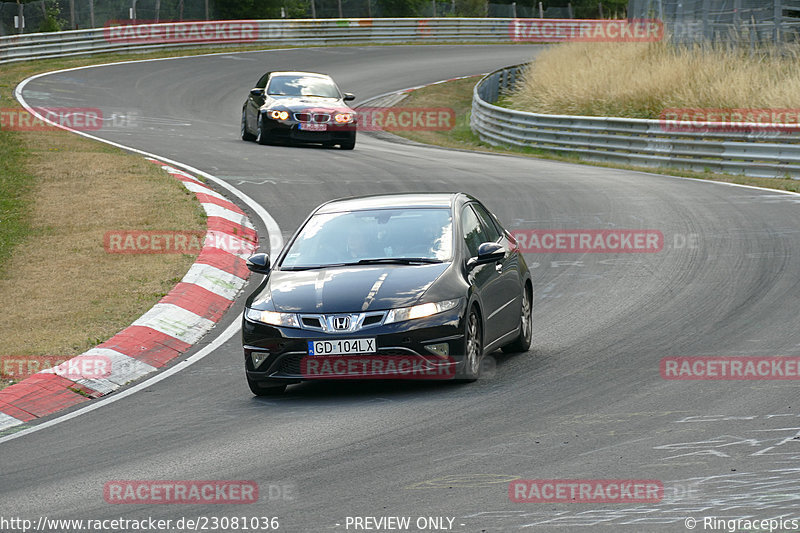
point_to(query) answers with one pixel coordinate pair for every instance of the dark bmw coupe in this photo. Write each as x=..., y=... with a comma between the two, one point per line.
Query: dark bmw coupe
x=415, y=286
x=301, y=107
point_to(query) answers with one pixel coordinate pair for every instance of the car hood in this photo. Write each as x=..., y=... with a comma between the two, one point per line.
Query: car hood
x=306, y=103
x=347, y=289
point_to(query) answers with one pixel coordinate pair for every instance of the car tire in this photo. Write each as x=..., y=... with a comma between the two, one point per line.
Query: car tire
x=349, y=144
x=261, y=137
x=246, y=135
x=523, y=342
x=473, y=348
x=259, y=390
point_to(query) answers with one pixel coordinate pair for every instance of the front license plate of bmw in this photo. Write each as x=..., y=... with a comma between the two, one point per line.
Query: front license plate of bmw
x=341, y=347
x=305, y=126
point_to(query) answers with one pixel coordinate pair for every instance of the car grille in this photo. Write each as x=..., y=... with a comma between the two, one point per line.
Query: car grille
x=353, y=322
x=290, y=365
x=320, y=118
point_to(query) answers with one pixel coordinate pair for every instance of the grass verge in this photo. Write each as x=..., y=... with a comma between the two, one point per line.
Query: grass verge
x=458, y=96
x=60, y=292
x=641, y=80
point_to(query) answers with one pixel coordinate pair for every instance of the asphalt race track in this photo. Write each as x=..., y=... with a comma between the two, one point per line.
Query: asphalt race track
x=587, y=402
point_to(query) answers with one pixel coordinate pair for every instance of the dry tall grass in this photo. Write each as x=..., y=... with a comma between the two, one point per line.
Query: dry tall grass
x=641, y=79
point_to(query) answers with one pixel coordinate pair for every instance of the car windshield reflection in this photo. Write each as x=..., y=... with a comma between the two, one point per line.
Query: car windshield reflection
x=302, y=86
x=380, y=236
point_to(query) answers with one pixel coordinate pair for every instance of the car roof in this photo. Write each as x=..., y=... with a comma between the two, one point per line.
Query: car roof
x=298, y=73
x=387, y=201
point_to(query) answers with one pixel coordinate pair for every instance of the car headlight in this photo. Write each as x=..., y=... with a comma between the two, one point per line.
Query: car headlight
x=279, y=115
x=420, y=311
x=343, y=118
x=273, y=318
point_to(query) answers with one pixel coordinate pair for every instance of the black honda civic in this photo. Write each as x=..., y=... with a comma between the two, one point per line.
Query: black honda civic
x=301, y=107
x=399, y=286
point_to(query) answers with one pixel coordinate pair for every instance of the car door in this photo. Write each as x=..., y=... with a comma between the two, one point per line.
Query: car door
x=254, y=103
x=485, y=278
x=508, y=286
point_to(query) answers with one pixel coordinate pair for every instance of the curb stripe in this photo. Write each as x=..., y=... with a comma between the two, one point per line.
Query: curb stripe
x=227, y=226
x=229, y=243
x=146, y=345
x=224, y=261
x=213, y=210
x=198, y=300
x=213, y=279
x=204, y=198
x=43, y=394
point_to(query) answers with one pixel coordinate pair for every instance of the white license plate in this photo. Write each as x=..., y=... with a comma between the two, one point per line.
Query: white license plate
x=341, y=347
x=313, y=127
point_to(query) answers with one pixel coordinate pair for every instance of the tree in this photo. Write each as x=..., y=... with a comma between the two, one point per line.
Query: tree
x=247, y=9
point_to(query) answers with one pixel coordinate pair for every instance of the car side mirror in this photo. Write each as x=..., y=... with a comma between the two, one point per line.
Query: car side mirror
x=257, y=92
x=349, y=97
x=488, y=252
x=258, y=263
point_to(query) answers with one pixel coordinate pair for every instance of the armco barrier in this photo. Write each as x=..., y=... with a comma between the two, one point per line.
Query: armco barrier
x=294, y=32
x=320, y=32
x=770, y=154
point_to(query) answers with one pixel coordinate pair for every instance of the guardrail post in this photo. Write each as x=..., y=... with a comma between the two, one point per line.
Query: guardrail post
x=706, y=23
x=72, y=24
x=777, y=22
x=21, y=18
x=91, y=12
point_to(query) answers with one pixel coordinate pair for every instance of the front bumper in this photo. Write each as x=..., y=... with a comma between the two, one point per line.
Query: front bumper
x=398, y=344
x=290, y=130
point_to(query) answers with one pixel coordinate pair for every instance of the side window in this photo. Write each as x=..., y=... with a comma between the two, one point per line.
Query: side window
x=492, y=233
x=262, y=81
x=472, y=230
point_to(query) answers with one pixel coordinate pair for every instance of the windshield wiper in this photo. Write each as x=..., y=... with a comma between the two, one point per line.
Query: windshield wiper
x=397, y=260
x=312, y=267
x=376, y=261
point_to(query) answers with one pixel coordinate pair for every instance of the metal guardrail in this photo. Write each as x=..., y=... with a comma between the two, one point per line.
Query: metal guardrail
x=282, y=32
x=640, y=142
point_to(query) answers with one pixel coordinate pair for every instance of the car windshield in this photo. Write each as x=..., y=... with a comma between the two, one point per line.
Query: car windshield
x=302, y=86
x=379, y=235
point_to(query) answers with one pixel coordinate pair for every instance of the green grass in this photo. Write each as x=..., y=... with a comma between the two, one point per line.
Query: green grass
x=16, y=187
